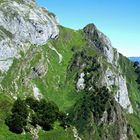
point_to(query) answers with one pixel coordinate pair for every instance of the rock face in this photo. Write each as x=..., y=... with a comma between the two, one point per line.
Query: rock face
x=102, y=42
x=116, y=80
x=80, y=82
x=122, y=94
x=21, y=25
x=37, y=93
x=111, y=77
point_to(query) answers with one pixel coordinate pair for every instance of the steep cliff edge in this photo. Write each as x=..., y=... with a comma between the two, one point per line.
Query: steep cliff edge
x=23, y=23
x=79, y=71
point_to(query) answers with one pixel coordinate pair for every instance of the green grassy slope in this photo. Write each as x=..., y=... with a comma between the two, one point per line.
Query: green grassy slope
x=58, y=83
x=134, y=93
x=54, y=86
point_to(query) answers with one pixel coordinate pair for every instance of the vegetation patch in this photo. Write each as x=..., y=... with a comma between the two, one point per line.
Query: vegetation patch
x=93, y=104
x=89, y=65
x=137, y=70
x=34, y=112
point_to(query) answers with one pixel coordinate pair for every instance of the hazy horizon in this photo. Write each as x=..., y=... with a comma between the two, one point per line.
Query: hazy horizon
x=119, y=20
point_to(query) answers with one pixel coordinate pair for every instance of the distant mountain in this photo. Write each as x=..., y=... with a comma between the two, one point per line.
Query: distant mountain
x=135, y=59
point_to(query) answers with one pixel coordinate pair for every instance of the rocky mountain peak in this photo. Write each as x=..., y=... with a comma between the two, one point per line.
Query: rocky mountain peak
x=103, y=44
x=23, y=23
x=90, y=29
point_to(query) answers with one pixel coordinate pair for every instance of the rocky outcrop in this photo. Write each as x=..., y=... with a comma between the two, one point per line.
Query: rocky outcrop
x=117, y=83
x=35, y=132
x=75, y=132
x=122, y=94
x=80, y=82
x=111, y=77
x=37, y=93
x=102, y=42
x=23, y=24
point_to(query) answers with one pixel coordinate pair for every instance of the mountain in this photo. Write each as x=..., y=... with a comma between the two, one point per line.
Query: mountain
x=60, y=84
x=135, y=59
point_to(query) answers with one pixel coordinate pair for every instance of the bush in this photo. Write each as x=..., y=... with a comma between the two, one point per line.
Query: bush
x=16, y=123
x=45, y=113
x=33, y=103
x=94, y=102
x=20, y=108
x=42, y=113
x=18, y=119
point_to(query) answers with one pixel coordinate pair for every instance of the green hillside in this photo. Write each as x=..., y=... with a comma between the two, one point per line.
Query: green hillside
x=60, y=61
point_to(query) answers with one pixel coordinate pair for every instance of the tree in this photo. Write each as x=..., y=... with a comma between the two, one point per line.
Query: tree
x=32, y=103
x=42, y=113
x=45, y=113
x=20, y=108
x=18, y=119
x=16, y=123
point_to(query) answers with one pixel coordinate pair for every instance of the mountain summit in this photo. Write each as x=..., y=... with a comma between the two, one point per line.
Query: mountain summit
x=60, y=84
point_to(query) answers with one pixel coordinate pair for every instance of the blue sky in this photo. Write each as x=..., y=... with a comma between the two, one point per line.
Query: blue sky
x=118, y=19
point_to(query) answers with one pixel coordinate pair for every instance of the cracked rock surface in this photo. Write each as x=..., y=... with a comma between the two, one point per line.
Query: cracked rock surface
x=21, y=25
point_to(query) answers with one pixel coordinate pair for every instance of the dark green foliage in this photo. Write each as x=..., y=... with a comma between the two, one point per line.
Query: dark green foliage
x=18, y=119
x=42, y=113
x=81, y=58
x=16, y=123
x=20, y=108
x=99, y=100
x=48, y=113
x=136, y=64
x=94, y=103
x=138, y=79
x=137, y=70
x=34, y=104
x=45, y=113
x=64, y=120
x=91, y=71
x=138, y=136
x=87, y=64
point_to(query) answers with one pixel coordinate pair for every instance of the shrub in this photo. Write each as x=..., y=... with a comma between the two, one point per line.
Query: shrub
x=94, y=102
x=42, y=113
x=45, y=113
x=18, y=119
